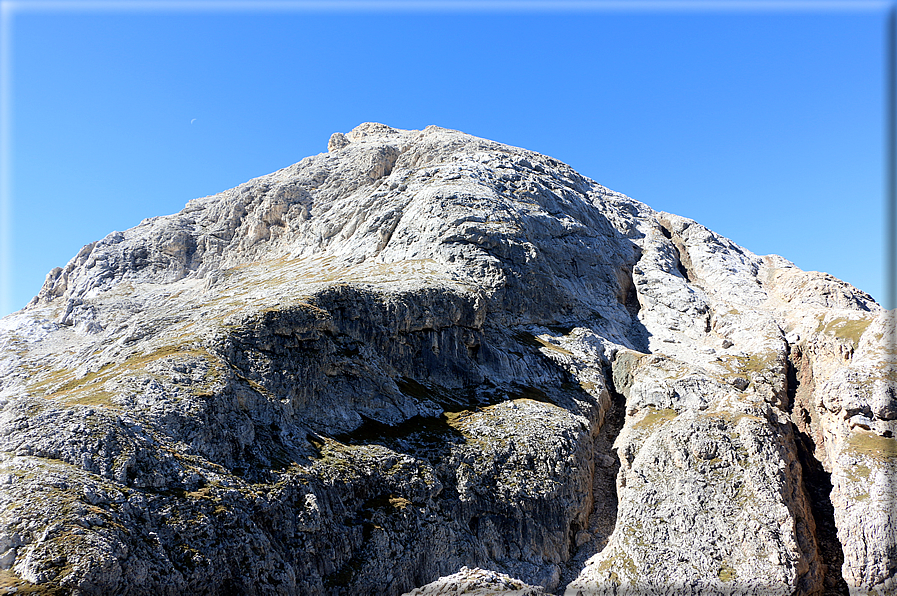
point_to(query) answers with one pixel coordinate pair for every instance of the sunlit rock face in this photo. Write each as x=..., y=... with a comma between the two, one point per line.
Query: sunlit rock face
x=427, y=361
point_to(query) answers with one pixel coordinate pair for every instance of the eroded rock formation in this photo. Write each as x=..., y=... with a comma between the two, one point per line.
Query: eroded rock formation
x=423, y=352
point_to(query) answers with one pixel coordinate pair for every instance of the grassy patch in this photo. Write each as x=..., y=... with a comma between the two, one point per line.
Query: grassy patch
x=10, y=583
x=726, y=573
x=399, y=502
x=842, y=328
x=620, y=561
x=87, y=379
x=88, y=390
x=529, y=339
x=654, y=417
x=869, y=444
x=201, y=493
x=457, y=420
x=333, y=454
x=99, y=398
x=858, y=473
x=752, y=363
x=758, y=363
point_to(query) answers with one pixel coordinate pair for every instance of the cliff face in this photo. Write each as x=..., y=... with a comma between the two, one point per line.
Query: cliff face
x=422, y=351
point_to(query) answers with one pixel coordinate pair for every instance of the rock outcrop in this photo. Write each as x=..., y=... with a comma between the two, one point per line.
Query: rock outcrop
x=426, y=362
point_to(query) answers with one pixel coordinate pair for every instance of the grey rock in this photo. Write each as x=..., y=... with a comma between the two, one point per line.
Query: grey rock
x=477, y=582
x=423, y=352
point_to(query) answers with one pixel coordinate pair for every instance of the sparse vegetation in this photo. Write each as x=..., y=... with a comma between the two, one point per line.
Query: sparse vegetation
x=655, y=417
x=842, y=328
x=618, y=561
x=732, y=417
x=399, y=502
x=367, y=418
x=871, y=445
x=726, y=573
x=741, y=365
x=89, y=390
x=11, y=583
x=457, y=419
x=539, y=342
x=858, y=473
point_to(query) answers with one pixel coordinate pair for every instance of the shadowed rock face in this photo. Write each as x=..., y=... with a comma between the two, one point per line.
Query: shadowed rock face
x=423, y=353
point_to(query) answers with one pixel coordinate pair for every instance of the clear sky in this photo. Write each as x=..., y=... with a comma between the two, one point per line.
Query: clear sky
x=763, y=122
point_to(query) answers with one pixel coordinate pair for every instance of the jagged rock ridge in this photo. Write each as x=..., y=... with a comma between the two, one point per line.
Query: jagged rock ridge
x=421, y=352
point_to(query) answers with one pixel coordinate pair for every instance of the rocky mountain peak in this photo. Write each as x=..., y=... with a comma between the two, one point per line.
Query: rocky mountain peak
x=423, y=352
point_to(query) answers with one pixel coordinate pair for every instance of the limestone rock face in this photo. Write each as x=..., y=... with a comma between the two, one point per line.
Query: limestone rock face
x=477, y=582
x=426, y=362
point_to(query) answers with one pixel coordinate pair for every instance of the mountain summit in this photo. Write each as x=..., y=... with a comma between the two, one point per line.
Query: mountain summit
x=427, y=361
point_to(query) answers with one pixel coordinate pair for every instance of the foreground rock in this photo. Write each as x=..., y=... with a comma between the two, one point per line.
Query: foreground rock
x=423, y=352
x=477, y=582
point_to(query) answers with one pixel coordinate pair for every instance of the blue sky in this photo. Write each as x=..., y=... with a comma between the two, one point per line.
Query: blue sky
x=765, y=123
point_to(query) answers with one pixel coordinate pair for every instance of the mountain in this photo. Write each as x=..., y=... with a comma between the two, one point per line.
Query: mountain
x=427, y=361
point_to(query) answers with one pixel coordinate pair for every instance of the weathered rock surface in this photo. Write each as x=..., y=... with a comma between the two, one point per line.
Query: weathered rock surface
x=423, y=352
x=477, y=582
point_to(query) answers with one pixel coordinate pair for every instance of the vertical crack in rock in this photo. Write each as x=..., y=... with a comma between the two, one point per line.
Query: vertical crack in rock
x=683, y=261
x=627, y=294
x=386, y=232
x=818, y=487
x=817, y=483
x=603, y=518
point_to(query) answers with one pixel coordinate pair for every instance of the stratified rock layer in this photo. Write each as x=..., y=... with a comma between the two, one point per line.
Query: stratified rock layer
x=424, y=352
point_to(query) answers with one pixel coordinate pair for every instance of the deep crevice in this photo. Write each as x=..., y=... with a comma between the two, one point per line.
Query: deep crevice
x=683, y=260
x=603, y=517
x=682, y=270
x=628, y=295
x=818, y=487
x=817, y=482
